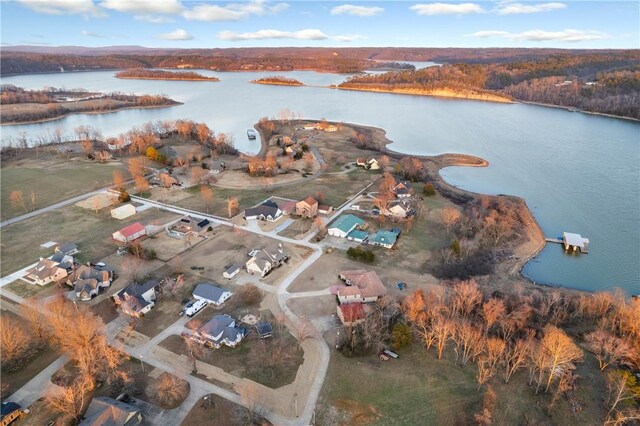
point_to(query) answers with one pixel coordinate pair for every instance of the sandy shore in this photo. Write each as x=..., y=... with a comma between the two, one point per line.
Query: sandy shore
x=438, y=93
x=212, y=79
x=275, y=83
x=60, y=117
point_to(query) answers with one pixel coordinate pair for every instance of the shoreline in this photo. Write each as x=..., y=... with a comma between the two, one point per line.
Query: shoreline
x=572, y=109
x=438, y=93
x=213, y=80
x=276, y=83
x=60, y=117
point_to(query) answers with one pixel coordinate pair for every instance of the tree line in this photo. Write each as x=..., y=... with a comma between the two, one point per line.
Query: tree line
x=163, y=75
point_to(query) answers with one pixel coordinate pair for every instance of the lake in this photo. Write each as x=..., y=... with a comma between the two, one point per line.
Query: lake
x=578, y=172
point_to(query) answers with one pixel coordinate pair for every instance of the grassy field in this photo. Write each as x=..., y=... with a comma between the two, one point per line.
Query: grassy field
x=14, y=380
x=92, y=232
x=52, y=179
x=419, y=389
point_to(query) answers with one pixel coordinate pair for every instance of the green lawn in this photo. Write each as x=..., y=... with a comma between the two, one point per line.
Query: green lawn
x=52, y=179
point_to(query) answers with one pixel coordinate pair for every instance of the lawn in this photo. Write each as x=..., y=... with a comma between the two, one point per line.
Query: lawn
x=92, y=232
x=14, y=380
x=52, y=179
x=419, y=389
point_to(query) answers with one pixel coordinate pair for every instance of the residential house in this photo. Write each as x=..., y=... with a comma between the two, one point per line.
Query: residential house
x=368, y=164
x=310, y=126
x=268, y=211
x=307, y=207
x=351, y=314
x=123, y=212
x=398, y=209
x=362, y=287
x=358, y=236
x=88, y=280
x=221, y=330
x=130, y=233
x=402, y=189
x=383, y=238
x=68, y=249
x=331, y=128
x=137, y=299
x=64, y=261
x=344, y=225
x=46, y=271
x=361, y=162
x=108, y=411
x=324, y=209
x=188, y=226
x=266, y=260
x=212, y=294
x=231, y=271
x=288, y=207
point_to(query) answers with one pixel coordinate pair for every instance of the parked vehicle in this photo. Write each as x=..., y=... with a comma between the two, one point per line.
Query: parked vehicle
x=11, y=412
x=188, y=304
x=196, y=307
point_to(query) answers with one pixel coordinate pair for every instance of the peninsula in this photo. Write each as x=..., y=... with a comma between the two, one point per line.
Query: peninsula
x=146, y=74
x=20, y=106
x=278, y=80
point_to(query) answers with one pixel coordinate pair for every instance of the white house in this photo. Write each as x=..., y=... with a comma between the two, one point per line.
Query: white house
x=221, y=330
x=123, y=211
x=231, y=271
x=266, y=260
x=212, y=294
x=268, y=211
x=345, y=224
x=137, y=299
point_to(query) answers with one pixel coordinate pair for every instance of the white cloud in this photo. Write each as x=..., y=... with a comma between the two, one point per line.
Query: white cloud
x=519, y=8
x=308, y=34
x=143, y=6
x=61, y=7
x=154, y=19
x=349, y=9
x=91, y=34
x=178, y=34
x=232, y=11
x=446, y=8
x=348, y=38
x=541, y=35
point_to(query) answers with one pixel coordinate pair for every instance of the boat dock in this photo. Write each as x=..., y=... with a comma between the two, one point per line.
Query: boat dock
x=571, y=242
x=251, y=134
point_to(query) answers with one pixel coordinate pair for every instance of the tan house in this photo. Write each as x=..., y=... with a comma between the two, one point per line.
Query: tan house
x=46, y=271
x=307, y=208
x=361, y=287
x=266, y=259
x=351, y=314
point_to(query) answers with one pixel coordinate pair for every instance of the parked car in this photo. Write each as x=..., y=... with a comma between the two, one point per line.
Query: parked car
x=188, y=305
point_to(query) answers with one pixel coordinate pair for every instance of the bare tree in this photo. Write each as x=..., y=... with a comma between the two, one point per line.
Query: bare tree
x=465, y=298
x=14, y=339
x=71, y=401
x=449, y=216
x=492, y=311
x=16, y=198
x=232, y=206
x=609, y=349
x=103, y=156
x=468, y=340
x=207, y=196
x=32, y=311
x=560, y=350
x=169, y=390
x=142, y=184
x=516, y=355
x=485, y=417
x=619, y=393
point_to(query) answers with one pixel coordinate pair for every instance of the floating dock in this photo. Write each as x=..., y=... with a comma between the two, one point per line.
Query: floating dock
x=571, y=242
x=251, y=134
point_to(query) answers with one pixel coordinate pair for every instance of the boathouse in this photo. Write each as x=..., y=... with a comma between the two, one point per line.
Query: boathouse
x=575, y=242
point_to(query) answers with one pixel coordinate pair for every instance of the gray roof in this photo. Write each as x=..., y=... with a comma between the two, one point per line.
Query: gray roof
x=137, y=290
x=208, y=291
x=105, y=411
x=231, y=268
x=268, y=208
x=67, y=247
x=216, y=325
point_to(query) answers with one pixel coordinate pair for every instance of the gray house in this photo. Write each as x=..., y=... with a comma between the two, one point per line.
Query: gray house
x=212, y=294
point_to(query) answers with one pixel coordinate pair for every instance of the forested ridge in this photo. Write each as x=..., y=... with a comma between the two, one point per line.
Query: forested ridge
x=601, y=83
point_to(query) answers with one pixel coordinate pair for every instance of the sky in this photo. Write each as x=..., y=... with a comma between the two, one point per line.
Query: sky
x=262, y=23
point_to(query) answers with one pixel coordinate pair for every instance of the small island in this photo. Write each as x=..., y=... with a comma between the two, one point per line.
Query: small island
x=146, y=74
x=278, y=80
x=20, y=106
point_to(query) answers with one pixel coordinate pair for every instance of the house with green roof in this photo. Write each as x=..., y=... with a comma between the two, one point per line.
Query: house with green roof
x=344, y=225
x=383, y=238
x=357, y=236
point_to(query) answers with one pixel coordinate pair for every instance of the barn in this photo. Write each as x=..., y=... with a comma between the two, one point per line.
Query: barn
x=130, y=233
x=123, y=211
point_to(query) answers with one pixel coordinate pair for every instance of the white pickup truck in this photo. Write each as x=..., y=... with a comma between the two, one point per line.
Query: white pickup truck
x=197, y=306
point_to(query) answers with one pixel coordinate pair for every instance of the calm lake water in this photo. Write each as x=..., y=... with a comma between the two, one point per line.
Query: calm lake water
x=578, y=173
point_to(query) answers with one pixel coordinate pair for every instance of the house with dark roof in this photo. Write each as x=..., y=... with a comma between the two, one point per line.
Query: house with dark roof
x=231, y=271
x=268, y=211
x=264, y=329
x=221, y=330
x=68, y=249
x=398, y=209
x=307, y=208
x=402, y=189
x=63, y=260
x=267, y=259
x=212, y=294
x=105, y=411
x=188, y=226
x=87, y=280
x=361, y=287
x=137, y=299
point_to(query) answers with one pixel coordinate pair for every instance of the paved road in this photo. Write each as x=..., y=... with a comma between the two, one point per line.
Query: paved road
x=15, y=276
x=38, y=386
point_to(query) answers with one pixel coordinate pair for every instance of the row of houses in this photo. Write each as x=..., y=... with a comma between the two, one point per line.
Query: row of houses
x=270, y=211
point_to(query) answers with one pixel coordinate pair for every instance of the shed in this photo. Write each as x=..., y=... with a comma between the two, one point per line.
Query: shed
x=264, y=329
x=130, y=233
x=123, y=212
x=231, y=271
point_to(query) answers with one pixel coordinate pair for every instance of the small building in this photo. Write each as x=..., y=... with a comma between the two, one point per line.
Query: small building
x=344, y=225
x=268, y=211
x=130, y=233
x=231, y=271
x=575, y=242
x=137, y=299
x=46, y=271
x=351, y=314
x=108, y=411
x=221, y=330
x=68, y=249
x=264, y=329
x=402, y=189
x=266, y=259
x=288, y=207
x=188, y=226
x=362, y=287
x=383, y=238
x=331, y=128
x=123, y=212
x=357, y=236
x=310, y=126
x=307, y=208
x=372, y=164
x=212, y=294
x=324, y=209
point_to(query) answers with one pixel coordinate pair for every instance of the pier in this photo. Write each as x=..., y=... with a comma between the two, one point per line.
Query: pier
x=571, y=242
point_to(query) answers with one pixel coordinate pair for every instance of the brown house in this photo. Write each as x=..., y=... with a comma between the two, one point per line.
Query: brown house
x=307, y=207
